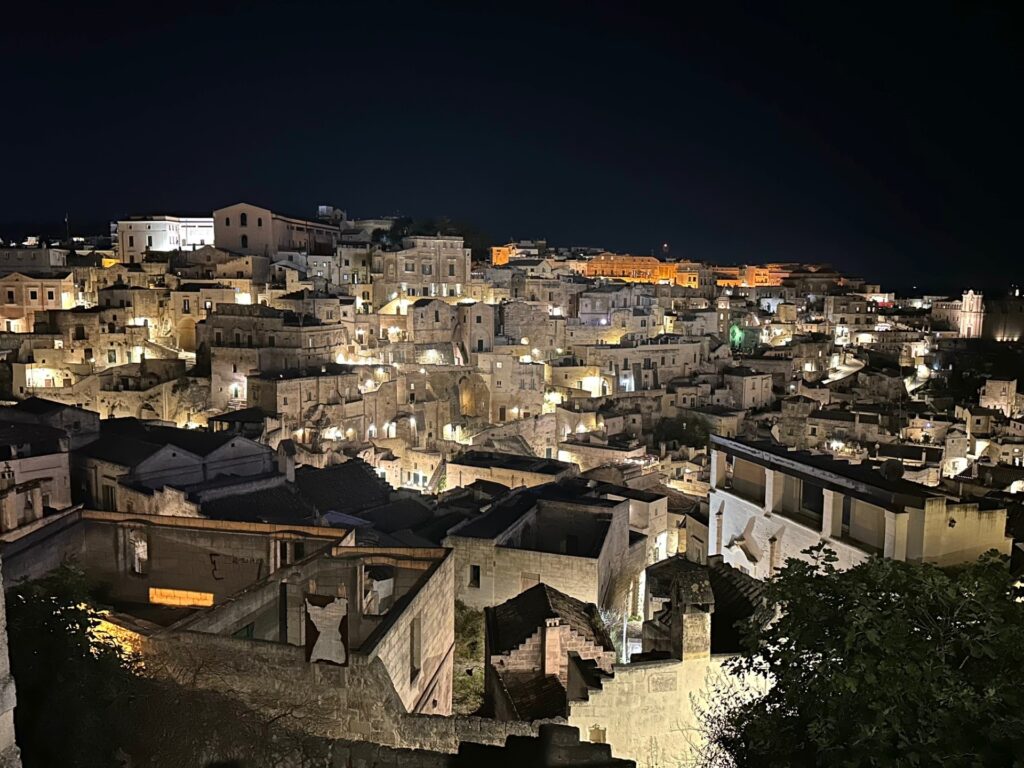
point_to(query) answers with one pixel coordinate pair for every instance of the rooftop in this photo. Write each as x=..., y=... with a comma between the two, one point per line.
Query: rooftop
x=511, y=461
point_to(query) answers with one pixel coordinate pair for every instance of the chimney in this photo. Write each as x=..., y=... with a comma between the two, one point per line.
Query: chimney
x=553, y=646
x=286, y=459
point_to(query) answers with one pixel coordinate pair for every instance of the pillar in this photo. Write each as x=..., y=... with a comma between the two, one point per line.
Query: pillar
x=774, y=487
x=9, y=511
x=832, y=515
x=895, y=536
x=37, y=502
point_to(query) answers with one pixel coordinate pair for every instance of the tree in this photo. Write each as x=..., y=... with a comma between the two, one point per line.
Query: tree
x=85, y=701
x=691, y=431
x=885, y=664
x=69, y=686
x=468, y=683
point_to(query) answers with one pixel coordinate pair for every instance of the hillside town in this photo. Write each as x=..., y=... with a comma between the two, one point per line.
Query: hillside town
x=301, y=454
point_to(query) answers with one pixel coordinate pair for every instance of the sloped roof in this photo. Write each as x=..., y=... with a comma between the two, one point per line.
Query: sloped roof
x=269, y=505
x=40, y=405
x=515, y=620
x=122, y=450
x=535, y=697
x=350, y=487
x=196, y=441
x=397, y=514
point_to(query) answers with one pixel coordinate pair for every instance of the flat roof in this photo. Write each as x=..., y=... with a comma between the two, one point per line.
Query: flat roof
x=513, y=461
x=861, y=480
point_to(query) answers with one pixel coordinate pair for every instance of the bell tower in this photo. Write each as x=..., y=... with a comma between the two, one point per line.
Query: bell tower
x=972, y=315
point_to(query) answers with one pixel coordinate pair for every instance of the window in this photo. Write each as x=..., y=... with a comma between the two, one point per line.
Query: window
x=131, y=241
x=227, y=221
x=410, y=266
x=245, y=241
x=186, y=306
x=149, y=241
x=243, y=220
x=49, y=296
x=259, y=221
x=474, y=576
x=415, y=649
x=427, y=269
x=111, y=355
x=33, y=295
x=437, y=316
x=451, y=270
x=10, y=297
x=479, y=319
x=139, y=552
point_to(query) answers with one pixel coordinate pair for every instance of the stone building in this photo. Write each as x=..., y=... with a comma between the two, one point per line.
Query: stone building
x=530, y=642
x=750, y=389
x=550, y=655
x=126, y=467
x=249, y=229
x=27, y=293
x=1002, y=395
x=972, y=316
x=580, y=545
x=511, y=470
x=241, y=340
x=35, y=475
x=424, y=267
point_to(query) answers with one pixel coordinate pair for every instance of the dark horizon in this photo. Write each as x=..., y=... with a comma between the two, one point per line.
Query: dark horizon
x=884, y=144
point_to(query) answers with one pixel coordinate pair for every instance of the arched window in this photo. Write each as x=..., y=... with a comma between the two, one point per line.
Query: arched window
x=243, y=220
x=227, y=221
x=259, y=221
x=245, y=241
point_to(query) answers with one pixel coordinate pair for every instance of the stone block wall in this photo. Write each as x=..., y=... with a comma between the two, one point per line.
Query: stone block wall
x=646, y=711
x=502, y=570
x=354, y=702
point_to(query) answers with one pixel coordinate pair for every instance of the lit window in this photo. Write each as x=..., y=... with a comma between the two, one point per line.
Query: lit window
x=180, y=597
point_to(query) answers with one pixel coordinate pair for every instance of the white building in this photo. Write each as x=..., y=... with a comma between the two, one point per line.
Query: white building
x=972, y=315
x=138, y=235
x=768, y=504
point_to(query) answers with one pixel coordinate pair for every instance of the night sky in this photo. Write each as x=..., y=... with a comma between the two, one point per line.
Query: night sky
x=886, y=144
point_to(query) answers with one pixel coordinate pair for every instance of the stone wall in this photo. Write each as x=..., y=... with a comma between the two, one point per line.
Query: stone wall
x=503, y=570
x=646, y=711
x=357, y=701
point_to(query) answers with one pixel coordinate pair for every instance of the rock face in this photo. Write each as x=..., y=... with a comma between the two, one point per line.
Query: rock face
x=10, y=757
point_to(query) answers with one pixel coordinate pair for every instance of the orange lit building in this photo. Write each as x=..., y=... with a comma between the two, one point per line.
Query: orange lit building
x=500, y=254
x=631, y=269
x=752, y=276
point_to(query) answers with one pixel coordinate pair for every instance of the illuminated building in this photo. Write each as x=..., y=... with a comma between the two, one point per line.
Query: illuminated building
x=139, y=235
